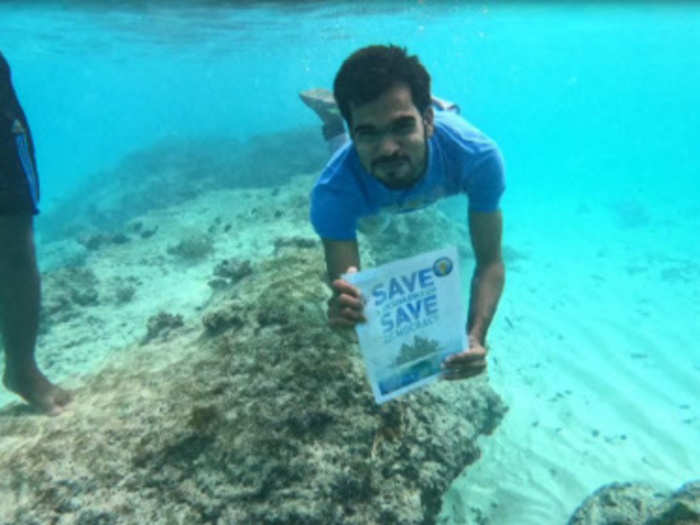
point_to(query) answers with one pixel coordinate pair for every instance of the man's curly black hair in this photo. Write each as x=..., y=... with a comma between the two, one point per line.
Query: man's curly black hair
x=369, y=72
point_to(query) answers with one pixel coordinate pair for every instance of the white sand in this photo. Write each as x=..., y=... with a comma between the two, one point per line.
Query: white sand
x=598, y=358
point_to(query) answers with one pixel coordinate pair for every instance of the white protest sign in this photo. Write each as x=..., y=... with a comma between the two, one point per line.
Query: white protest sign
x=415, y=319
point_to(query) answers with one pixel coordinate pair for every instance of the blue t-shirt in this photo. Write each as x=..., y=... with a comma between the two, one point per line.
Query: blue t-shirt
x=461, y=159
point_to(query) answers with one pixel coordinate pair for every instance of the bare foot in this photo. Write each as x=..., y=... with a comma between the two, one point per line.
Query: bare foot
x=445, y=105
x=35, y=389
x=322, y=102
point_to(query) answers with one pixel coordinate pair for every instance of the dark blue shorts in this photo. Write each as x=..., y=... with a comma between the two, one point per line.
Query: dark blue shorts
x=19, y=182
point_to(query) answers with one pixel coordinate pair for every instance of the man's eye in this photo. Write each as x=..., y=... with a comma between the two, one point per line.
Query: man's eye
x=405, y=127
x=366, y=134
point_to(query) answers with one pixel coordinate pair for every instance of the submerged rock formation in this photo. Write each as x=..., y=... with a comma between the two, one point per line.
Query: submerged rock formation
x=640, y=504
x=265, y=420
x=175, y=170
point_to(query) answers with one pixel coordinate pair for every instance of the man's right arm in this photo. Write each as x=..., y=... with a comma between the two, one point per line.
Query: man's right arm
x=340, y=255
x=345, y=307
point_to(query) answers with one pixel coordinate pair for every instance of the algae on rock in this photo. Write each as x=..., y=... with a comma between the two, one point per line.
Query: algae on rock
x=640, y=504
x=267, y=418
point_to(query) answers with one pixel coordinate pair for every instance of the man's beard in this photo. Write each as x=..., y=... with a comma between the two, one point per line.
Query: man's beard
x=401, y=183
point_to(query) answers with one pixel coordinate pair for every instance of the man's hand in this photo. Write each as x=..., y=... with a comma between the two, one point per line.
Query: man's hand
x=469, y=363
x=345, y=307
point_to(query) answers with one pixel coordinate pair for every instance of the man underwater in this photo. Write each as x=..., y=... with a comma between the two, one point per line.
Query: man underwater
x=19, y=277
x=406, y=147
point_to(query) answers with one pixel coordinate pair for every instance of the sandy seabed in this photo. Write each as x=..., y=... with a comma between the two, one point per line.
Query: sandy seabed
x=596, y=353
x=594, y=350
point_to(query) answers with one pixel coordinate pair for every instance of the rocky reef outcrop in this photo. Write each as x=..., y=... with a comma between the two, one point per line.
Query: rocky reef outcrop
x=254, y=413
x=175, y=170
x=640, y=504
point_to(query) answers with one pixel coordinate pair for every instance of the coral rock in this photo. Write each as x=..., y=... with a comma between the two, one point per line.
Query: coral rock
x=160, y=326
x=640, y=504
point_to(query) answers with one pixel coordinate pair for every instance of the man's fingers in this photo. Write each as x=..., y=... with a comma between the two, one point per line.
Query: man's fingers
x=346, y=301
x=453, y=374
x=469, y=356
x=476, y=365
x=351, y=314
x=458, y=377
x=341, y=322
x=471, y=362
x=464, y=366
x=341, y=287
x=345, y=307
x=345, y=311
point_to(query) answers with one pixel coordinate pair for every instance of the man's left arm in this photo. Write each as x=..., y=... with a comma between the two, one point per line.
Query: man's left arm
x=486, y=230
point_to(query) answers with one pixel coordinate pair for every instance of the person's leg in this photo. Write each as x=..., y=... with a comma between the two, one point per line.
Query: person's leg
x=19, y=315
x=321, y=101
x=19, y=276
x=444, y=105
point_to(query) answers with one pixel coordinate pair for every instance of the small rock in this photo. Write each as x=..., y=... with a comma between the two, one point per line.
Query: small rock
x=193, y=247
x=145, y=234
x=124, y=294
x=160, y=325
x=233, y=269
x=230, y=316
x=294, y=242
x=120, y=238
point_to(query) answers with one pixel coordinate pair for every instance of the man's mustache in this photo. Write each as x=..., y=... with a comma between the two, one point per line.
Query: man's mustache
x=390, y=160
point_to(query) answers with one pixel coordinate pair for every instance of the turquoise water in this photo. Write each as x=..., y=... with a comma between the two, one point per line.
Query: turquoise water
x=594, y=106
x=570, y=93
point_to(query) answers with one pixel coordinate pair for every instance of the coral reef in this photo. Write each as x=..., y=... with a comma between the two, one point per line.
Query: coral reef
x=65, y=292
x=95, y=241
x=640, y=504
x=233, y=270
x=177, y=169
x=124, y=294
x=192, y=247
x=123, y=288
x=297, y=242
x=224, y=318
x=161, y=325
x=264, y=417
x=228, y=272
x=145, y=233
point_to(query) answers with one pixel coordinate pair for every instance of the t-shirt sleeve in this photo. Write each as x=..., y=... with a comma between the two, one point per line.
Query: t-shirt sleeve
x=485, y=182
x=331, y=215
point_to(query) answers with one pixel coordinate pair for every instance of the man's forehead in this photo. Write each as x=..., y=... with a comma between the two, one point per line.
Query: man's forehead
x=394, y=103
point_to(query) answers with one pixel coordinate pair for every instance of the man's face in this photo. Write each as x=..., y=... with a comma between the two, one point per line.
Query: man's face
x=391, y=137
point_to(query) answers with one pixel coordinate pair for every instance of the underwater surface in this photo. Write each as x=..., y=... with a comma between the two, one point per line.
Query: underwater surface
x=178, y=127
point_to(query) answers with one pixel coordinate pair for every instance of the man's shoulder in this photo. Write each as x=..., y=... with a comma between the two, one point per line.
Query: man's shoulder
x=336, y=198
x=455, y=132
x=340, y=170
x=469, y=161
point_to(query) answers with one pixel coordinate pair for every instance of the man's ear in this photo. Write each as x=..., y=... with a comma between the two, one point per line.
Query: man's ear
x=429, y=121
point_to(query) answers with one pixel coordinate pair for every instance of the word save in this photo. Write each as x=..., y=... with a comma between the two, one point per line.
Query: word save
x=408, y=301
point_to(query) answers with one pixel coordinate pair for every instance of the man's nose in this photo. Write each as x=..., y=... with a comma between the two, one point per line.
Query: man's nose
x=387, y=145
